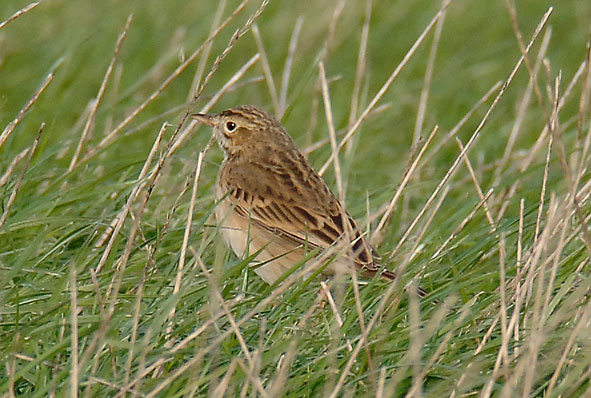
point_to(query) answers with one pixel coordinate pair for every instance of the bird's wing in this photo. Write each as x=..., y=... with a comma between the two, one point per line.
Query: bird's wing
x=297, y=207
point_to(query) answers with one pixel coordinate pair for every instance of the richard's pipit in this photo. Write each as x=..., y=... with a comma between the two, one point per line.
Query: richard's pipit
x=272, y=199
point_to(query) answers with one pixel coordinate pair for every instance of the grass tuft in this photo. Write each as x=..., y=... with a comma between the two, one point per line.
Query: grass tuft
x=458, y=133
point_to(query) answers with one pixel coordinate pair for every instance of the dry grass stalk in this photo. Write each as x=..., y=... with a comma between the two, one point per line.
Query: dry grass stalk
x=89, y=127
x=18, y=13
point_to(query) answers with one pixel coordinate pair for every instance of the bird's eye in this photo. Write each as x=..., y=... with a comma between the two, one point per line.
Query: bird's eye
x=230, y=127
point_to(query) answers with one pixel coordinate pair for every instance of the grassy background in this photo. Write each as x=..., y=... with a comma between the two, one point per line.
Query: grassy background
x=508, y=310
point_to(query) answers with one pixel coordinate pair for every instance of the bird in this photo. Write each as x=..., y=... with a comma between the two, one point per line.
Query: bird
x=271, y=201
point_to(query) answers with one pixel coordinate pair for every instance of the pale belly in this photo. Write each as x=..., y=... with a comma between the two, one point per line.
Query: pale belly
x=277, y=254
x=245, y=239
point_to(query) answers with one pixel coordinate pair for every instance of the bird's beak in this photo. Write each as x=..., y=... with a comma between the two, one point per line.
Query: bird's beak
x=204, y=118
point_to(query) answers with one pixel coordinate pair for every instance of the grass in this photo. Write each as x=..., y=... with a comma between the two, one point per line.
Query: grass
x=115, y=281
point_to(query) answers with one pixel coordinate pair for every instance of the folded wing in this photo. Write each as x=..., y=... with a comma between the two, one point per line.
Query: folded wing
x=296, y=205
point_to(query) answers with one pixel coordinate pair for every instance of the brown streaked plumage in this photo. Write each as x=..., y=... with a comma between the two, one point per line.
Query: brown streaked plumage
x=272, y=198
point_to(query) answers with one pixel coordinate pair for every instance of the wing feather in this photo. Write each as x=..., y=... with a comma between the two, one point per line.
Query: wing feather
x=296, y=204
